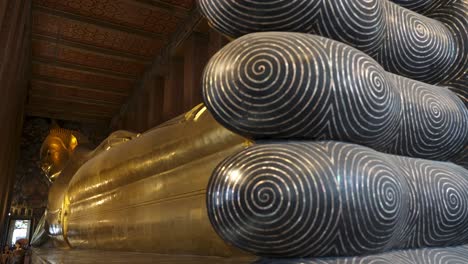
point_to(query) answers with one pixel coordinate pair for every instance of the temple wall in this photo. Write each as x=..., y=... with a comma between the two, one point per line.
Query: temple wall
x=14, y=71
x=175, y=89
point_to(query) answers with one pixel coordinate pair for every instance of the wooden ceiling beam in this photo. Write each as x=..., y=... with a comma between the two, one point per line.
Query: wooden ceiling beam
x=84, y=68
x=87, y=60
x=78, y=86
x=91, y=48
x=176, y=11
x=67, y=110
x=64, y=111
x=77, y=117
x=46, y=89
x=85, y=49
x=36, y=93
x=97, y=22
x=71, y=104
x=93, y=80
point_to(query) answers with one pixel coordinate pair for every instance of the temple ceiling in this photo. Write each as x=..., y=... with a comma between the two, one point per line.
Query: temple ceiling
x=88, y=56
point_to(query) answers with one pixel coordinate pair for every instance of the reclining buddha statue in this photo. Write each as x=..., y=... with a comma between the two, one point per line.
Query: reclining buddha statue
x=62, y=153
x=133, y=192
x=326, y=139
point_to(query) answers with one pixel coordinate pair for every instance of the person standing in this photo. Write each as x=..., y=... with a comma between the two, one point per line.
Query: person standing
x=17, y=257
x=5, y=255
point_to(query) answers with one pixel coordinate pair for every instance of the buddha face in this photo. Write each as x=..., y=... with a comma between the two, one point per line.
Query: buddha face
x=54, y=156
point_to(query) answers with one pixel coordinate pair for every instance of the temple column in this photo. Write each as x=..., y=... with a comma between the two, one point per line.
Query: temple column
x=14, y=53
x=195, y=59
x=156, y=100
x=174, y=90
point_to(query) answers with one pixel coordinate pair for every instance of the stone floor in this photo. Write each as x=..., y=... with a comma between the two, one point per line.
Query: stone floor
x=54, y=256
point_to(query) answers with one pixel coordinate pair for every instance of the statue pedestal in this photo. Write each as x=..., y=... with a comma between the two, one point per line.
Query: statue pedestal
x=56, y=256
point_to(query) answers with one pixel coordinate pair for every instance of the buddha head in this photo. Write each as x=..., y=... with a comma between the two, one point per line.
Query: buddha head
x=56, y=151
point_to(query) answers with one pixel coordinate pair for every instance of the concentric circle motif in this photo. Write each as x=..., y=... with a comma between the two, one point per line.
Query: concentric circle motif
x=304, y=199
x=459, y=88
x=428, y=124
x=462, y=158
x=423, y=48
x=455, y=18
x=422, y=6
x=455, y=255
x=236, y=18
x=291, y=85
x=403, y=41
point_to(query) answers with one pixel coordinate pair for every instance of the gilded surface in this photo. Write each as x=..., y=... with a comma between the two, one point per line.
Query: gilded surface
x=60, y=158
x=144, y=192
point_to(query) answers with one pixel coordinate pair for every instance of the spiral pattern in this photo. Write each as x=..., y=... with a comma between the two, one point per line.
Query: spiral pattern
x=423, y=6
x=455, y=255
x=455, y=17
x=424, y=125
x=237, y=18
x=360, y=22
x=403, y=41
x=307, y=199
x=422, y=51
x=292, y=85
x=439, y=212
x=462, y=158
x=459, y=88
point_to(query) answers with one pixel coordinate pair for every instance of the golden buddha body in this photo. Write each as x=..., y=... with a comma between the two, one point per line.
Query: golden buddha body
x=138, y=192
x=60, y=159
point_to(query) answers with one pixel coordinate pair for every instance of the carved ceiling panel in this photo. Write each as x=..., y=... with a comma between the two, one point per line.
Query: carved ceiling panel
x=73, y=105
x=66, y=91
x=51, y=51
x=85, y=78
x=85, y=33
x=82, y=47
x=59, y=113
x=188, y=4
x=122, y=12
